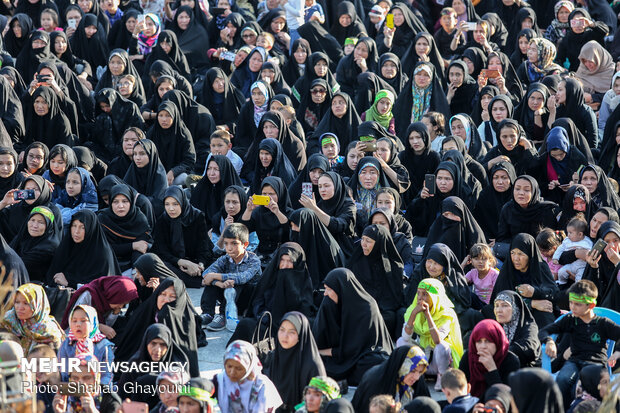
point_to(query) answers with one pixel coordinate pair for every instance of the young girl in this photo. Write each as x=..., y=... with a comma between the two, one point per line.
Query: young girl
x=381, y=110
x=548, y=241
x=49, y=21
x=330, y=147
x=79, y=193
x=85, y=338
x=235, y=202
x=483, y=275
x=610, y=102
x=62, y=159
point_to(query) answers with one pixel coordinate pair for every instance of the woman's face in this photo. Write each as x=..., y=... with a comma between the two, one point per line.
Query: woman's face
x=320, y=68
x=579, y=204
x=248, y=36
x=499, y=111
x=523, y=192
x=384, y=150
x=277, y=24
x=117, y=65
x=399, y=17
x=387, y=201
x=313, y=400
x=519, y=259
x=563, y=14
x=536, y=101
x=183, y=20
x=80, y=324
x=333, y=295
x=130, y=24
x=73, y=184
x=595, y=223
x=501, y=181
x=459, y=7
x=416, y=142
x=326, y=188
x=411, y=378
x=7, y=165
x=503, y=311
x=433, y=268
x=557, y=154
x=258, y=97
x=90, y=31
x=36, y=225
x=265, y=158
x=527, y=23
x=458, y=129
x=232, y=203
x=78, y=231
x=41, y=108
x=140, y=157
x=361, y=51
x=255, y=62
x=532, y=52
x=612, y=241
x=319, y=93
x=589, y=180
x=509, y=138
x=345, y=20
x=560, y=95
x=35, y=159
x=456, y=75
x=422, y=79
x=300, y=55
x=288, y=335
x=219, y=85
x=470, y=65
x=165, y=119
x=484, y=345
x=422, y=48
x=166, y=296
x=85, y=5
x=172, y=207
x=389, y=70
x=163, y=88
x=60, y=45
x=367, y=245
x=17, y=29
x=523, y=45
x=168, y=393
x=445, y=182
x=339, y=106
x=270, y=130
x=58, y=165
x=30, y=184
x=267, y=75
x=234, y=370
x=240, y=57
x=165, y=46
x=495, y=64
x=232, y=29
x=125, y=87
x=353, y=158
x=314, y=175
x=213, y=172
x=369, y=177
x=270, y=192
x=378, y=219
x=157, y=349
x=121, y=205
x=22, y=308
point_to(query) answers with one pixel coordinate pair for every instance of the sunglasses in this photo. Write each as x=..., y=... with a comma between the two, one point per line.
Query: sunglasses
x=318, y=91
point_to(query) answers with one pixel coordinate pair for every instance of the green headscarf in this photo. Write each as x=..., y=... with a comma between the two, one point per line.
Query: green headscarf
x=373, y=113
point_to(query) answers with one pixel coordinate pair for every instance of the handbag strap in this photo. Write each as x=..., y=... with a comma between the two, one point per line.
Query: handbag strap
x=256, y=334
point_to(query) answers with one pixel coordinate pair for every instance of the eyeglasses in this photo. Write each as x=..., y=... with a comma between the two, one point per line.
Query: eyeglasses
x=248, y=36
x=124, y=84
x=35, y=157
x=318, y=91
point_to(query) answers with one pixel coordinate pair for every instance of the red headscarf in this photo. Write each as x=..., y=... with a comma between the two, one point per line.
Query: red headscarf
x=494, y=332
x=112, y=289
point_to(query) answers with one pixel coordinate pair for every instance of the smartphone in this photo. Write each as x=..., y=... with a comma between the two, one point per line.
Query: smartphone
x=389, y=21
x=217, y=10
x=72, y=389
x=230, y=56
x=489, y=74
x=141, y=17
x=260, y=200
x=370, y=146
x=23, y=194
x=72, y=23
x=577, y=23
x=470, y=26
x=135, y=407
x=599, y=246
x=42, y=78
x=306, y=189
x=429, y=183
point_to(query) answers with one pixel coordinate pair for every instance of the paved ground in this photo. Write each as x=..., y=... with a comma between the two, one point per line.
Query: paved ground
x=211, y=360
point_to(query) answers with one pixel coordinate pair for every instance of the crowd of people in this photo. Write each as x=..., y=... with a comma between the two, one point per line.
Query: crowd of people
x=385, y=195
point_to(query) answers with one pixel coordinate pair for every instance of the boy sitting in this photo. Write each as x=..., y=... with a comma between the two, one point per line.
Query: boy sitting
x=588, y=336
x=454, y=385
x=236, y=269
x=221, y=145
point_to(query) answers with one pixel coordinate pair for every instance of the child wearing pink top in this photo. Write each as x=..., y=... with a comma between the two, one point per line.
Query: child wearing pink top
x=548, y=242
x=483, y=275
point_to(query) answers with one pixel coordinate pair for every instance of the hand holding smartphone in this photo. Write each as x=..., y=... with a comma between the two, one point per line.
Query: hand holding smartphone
x=306, y=189
x=429, y=183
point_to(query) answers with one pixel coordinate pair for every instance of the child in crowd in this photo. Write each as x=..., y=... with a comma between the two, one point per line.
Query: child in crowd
x=381, y=110
x=44, y=379
x=110, y=8
x=383, y=403
x=233, y=270
x=376, y=15
x=456, y=389
x=349, y=45
x=609, y=104
x=330, y=147
x=577, y=229
x=313, y=11
x=49, y=21
x=548, y=242
x=443, y=36
x=436, y=124
x=234, y=205
x=221, y=145
x=79, y=193
x=588, y=335
x=560, y=25
x=483, y=275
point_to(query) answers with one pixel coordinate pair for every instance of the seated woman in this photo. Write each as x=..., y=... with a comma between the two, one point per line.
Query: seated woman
x=317, y=395
x=120, y=164
x=242, y=386
x=384, y=217
x=502, y=176
x=84, y=338
x=521, y=330
x=387, y=155
x=79, y=194
x=378, y=267
x=603, y=194
x=10, y=178
x=147, y=175
x=37, y=241
x=271, y=161
x=488, y=360
x=169, y=387
x=602, y=269
x=125, y=226
x=342, y=120
x=222, y=98
x=401, y=375
x=35, y=160
x=315, y=105
x=295, y=361
x=162, y=85
x=316, y=166
x=388, y=198
x=181, y=238
x=513, y=145
x=418, y=158
x=431, y=316
x=532, y=113
x=368, y=177
x=526, y=212
x=30, y=319
x=107, y=295
x=364, y=58
x=270, y=222
x=120, y=64
x=462, y=126
x=45, y=120
x=169, y=305
x=233, y=206
x=74, y=262
x=348, y=349
x=62, y=160
x=528, y=274
x=159, y=346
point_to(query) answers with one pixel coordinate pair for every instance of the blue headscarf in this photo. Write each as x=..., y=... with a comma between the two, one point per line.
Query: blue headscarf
x=88, y=193
x=557, y=138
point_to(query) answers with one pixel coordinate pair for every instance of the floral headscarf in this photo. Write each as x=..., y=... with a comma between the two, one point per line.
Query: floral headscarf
x=546, y=56
x=366, y=197
x=146, y=43
x=415, y=357
x=510, y=327
x=241, y=395
x=41, y=328
x=86, y=345
x=259, y=111
x=421, y=97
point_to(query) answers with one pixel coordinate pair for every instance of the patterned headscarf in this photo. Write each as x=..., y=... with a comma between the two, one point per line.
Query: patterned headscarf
x=327, y=386
x=510, y=327
x=421, y=97
x=366, y=197
x=546, y=56
x=415, y=357
x=259, y=111
x=244, y=353
x=41, y=328
x=146, y=43
x=86, y=345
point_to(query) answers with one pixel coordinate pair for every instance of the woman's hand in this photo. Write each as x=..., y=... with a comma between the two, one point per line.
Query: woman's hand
x=553, y=184
x=327, y=352
x=59, y=404
x=612, y=255
x=60, y=279
x=551, y=349
x=466, y=260
x=8, y=199
x=107, y=331
x=526, y=144
x=140, y=246
x=170, y=177
x=229, y=220
x=592, y=258
x=361, y=63
x=486, y=359
x=140, y=26
x=484, y=115
x=70, y=32
x=307, y=202
x=451, y=92
x=501, y=84
x=543, y=305
x=250, y=205
x=552, y=104
x=384, y=164
x=273, y=206
x=153, y=283
x=424, y=193
x=88, y=404
x=388, y=36
x=525, y=290
x=482, y=81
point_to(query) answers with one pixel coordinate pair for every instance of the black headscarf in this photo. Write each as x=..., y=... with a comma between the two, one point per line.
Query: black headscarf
x=423, y=404
x=192, y=40
x=316, y=161
x=132, y=227
x=15, y=45
x=404, y=34
x=348, y=70
x=177, y=315
x=175, y=58
x=535, y=390
x=521, y=158
x=500, y=35
x=278, y=84
x=476, y=112
x=320, y=39
x=353, y=30
x=176, y=226
x=380, y=272
x=344, y=128
x=52, y=128
x=384, y=379
x=352, y=328
x=411, y=58
x=93, y=50
x=464, y=95
x=282, y=290
x=291, y=369
x=418, y=165
x=321, y=248
x=341, y=208
x=309, y=113
x=478, y=59
x=30, y=58
x=525, y=116
x=76, y=261
x=291, y=70
x=397, y=83
x=150, y=180
x=605, y=195
x=301, y=88
x=490, y=202
x=224, y=107
x=575, y=107
x=501, y=393
x=280, y=165
x=243, y=77
x=119, y=37
x=16, y=178
x=106, y=80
